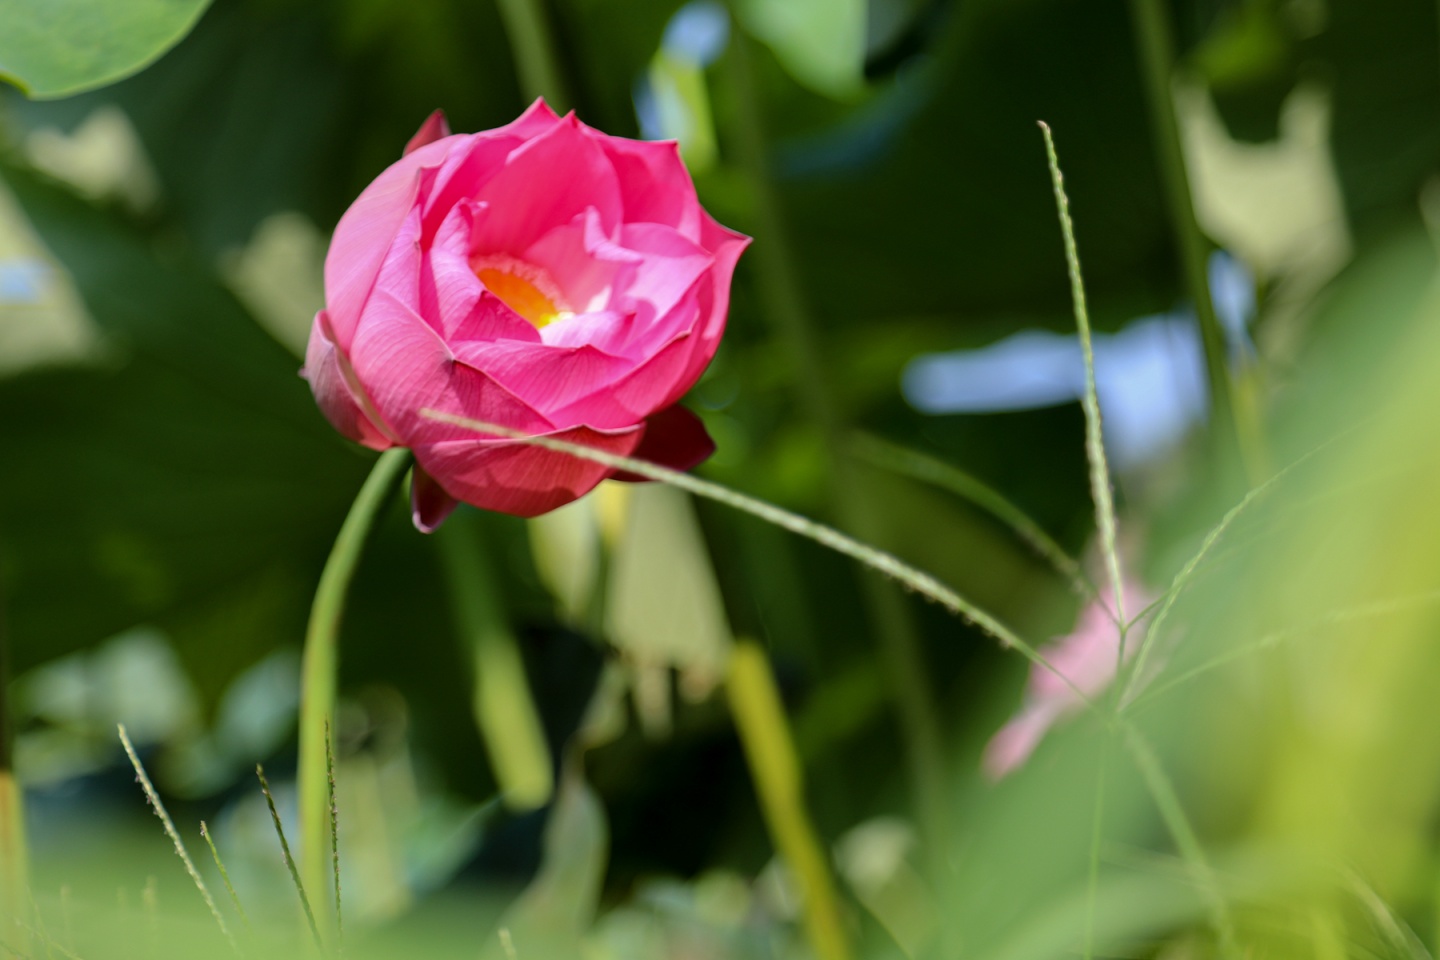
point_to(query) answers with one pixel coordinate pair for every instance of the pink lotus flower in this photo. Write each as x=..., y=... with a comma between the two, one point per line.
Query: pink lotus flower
x=543, y=277
x=1086, y=656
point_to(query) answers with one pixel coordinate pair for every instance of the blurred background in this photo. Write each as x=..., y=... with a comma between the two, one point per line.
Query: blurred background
x=900, y=353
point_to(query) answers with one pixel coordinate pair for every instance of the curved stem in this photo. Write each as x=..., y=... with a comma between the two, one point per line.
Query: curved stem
x=14, y=871
x=320, y=663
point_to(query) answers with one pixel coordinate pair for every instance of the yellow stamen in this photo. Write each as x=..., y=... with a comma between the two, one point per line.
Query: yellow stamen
x=521, y=295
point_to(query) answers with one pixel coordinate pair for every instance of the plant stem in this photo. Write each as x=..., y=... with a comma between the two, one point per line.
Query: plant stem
x=533, y=47
x=770, y=751
x=1235, y=422
x=789, y=315
x=503, y=706
x=321, y=662
x=1162, y=791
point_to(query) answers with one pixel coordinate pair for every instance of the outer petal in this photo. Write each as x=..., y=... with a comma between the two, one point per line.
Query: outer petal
x=337, y=399
x=510, y=476
x=633, y=397
x=546, y=378
x=435, y=127
x=407, y=368
x=674, y=438
x=429, y=503
x=366, y=232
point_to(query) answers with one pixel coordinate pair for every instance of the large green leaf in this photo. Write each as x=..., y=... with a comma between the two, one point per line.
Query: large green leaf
x=60, y=47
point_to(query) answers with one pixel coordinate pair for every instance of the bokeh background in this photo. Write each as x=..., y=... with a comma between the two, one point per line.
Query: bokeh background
x=169, y=492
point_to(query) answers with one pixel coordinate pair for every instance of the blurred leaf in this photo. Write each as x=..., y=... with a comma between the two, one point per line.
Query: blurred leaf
x=61, y=47
x=189, y=482
x=556, y=910
x=821, y=42
x=665, y=608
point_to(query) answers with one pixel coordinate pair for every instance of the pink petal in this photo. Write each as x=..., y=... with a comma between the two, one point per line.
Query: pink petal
x=545, y=183
x=429, y=503
x=364, y=236
x=407, y=368
x=452, y=298
x=633, y=397
x=669, y=265
x=546, y=378
x=654, y=184
x=674, y=438
x=510, y=476
x=434, y=128
x=339, y=400
x=1016, y=741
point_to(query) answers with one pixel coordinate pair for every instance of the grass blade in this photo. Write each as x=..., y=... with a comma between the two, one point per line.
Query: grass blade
x=224, y=875
x=1162, y=791
x=878, y=560
x=289, y=860
x=159, y=807
x=938, y=473
x=1100, y=489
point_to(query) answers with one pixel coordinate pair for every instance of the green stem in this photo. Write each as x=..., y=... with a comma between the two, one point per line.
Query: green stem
x=1167, y=801
x=789, y=315
x=1153, y=36
x=321, y=662
x=533, y=46
x=504, y=709
x=1233, y=410
x=770, y=751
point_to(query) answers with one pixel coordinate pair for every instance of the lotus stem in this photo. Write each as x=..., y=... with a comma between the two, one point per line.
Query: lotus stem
x=321, y=662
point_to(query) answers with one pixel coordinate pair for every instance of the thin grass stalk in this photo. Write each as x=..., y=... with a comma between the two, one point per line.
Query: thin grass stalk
x=321, y=661
x=1187, y=572
x=927, y=469
x=156, y=804
x=503, y=706
x=788, y=313
x=1172, y=812
x=769, y=750
x=289, y=860
x=1100, y=490
x=878, y=560
x=1154, y=38
x=225, y=876
x=1363, y=611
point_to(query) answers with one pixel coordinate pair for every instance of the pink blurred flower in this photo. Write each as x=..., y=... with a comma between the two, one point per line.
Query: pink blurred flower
x=1086, y=656
x=542, y=276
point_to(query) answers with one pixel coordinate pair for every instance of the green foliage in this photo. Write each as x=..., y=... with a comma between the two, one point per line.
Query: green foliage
x=63, y=47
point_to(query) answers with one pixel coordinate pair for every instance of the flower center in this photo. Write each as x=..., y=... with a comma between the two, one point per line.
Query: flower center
x=523, y=288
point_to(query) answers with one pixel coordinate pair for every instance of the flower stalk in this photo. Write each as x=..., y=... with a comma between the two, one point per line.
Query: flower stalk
x=321, y=662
